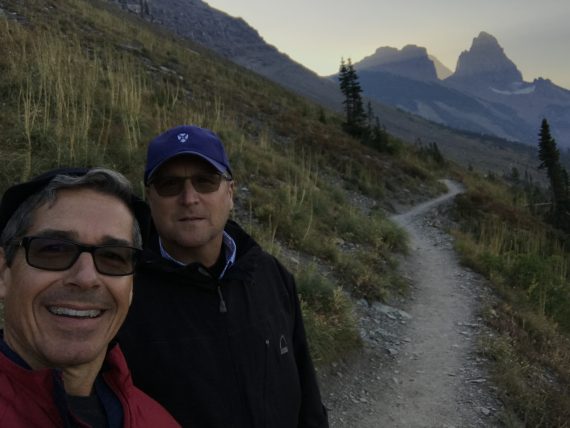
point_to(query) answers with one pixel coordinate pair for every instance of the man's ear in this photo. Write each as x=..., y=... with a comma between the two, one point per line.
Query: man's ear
x=3, y=269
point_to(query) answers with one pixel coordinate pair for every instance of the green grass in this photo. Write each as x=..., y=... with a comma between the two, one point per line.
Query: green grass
x=528, y=263
x=329, y=322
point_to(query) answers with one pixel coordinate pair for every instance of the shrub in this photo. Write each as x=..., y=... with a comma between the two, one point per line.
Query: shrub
x=328, y=316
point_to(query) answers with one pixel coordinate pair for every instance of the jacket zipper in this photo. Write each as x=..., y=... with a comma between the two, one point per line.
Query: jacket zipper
x=223, y=307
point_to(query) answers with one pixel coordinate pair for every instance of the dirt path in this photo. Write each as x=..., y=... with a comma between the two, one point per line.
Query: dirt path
x=419, y=366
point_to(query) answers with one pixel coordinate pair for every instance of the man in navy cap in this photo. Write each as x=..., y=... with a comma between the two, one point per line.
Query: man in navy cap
x=215, y=332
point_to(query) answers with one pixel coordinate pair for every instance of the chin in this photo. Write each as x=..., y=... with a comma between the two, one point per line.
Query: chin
x=73, y=355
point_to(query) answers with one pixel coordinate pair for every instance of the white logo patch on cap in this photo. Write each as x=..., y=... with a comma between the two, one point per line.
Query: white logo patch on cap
x=183, y=137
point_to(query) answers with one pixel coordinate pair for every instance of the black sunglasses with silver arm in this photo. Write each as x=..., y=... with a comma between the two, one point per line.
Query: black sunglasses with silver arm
x=57, y=254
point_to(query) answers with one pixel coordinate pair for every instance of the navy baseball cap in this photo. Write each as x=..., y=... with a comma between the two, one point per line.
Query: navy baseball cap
x=186, y=140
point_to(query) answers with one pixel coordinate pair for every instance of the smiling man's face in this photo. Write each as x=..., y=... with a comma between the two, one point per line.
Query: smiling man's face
x=67, y=318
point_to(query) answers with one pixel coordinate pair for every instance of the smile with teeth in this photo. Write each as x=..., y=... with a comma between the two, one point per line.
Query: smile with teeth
x=75, y=313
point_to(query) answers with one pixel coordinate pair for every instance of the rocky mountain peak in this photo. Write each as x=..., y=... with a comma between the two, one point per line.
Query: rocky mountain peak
x=411, y=61
x=485, y=40
x=487, y=63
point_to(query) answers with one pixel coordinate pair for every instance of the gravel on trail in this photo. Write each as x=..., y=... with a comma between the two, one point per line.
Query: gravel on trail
x=419, y=365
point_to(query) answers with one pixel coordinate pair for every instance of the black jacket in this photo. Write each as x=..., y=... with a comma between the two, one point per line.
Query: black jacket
x=223, y=353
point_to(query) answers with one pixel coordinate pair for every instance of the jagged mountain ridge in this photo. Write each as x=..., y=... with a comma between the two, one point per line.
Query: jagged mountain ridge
x=486, y=62
x=412, y=61
x=384, y=76
x=435, y=102
x=496, y=79
x=494, y=97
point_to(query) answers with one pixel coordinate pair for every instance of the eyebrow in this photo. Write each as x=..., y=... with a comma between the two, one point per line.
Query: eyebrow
x=73, y=236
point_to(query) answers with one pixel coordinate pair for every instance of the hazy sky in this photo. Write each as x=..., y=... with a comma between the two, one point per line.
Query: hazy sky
x=317, y=33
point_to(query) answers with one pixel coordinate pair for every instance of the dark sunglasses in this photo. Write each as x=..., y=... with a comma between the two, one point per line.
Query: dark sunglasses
x=56, y=254
x=174, y=185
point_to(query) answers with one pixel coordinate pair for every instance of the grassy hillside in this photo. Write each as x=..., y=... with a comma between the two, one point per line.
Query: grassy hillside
x=528, y=263
x=86, y=86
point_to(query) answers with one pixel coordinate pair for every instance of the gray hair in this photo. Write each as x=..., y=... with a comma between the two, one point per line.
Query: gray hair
x=101, y=180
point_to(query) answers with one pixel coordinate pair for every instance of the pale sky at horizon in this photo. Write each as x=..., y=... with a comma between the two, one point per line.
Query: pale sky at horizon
x=534, y=34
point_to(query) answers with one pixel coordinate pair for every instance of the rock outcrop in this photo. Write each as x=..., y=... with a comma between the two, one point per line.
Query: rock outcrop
x=411, y=61
x=486, y=63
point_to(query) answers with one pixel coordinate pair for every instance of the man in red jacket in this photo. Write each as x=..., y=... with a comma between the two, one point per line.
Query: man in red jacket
x=69, y=244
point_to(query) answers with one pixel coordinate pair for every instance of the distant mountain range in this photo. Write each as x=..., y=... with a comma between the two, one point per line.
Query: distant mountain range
x=485, y=95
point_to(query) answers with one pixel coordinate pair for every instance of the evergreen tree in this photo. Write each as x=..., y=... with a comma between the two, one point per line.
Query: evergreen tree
x=353, y=105
x=369, y=115
x=344, y=84
x=548, y=153
x=360, y=123
x=436, y=154
x=358, y=114
x=549, y=157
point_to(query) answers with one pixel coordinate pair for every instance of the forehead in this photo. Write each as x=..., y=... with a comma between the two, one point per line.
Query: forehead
x=182, y=165
x=89, y=215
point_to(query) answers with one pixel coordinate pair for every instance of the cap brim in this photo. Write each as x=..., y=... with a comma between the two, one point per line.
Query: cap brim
x=219, y=167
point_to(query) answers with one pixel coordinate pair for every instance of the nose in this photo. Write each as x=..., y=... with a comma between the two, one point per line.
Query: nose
x=189, y=195
x=83, y=273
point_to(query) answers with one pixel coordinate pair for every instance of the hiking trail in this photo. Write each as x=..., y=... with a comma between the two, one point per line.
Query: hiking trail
x=419, y=365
